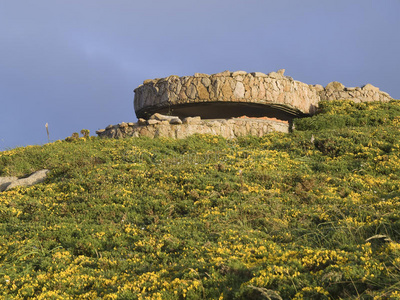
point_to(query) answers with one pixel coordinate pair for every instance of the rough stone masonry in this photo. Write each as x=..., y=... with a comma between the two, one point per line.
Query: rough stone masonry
x=230, y=104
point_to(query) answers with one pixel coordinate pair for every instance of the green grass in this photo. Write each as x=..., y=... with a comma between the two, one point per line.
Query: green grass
x=285, y=216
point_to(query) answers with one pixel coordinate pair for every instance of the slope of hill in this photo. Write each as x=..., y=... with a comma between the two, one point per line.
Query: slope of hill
x=309, y=215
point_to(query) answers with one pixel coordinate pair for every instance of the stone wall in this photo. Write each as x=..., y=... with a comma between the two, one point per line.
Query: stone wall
x=336, y=91
x=270, y=101
x=173, y=127
x=273, y=89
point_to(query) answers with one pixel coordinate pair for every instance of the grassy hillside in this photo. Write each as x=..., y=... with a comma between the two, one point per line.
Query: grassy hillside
x=309, y=215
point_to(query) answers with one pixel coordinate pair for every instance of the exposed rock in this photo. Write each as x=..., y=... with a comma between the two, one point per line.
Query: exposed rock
x=175, y=121
x=142, y=121
x=281, y=72
x=239, y=73
x=6, y=181
x=192, y=120
x=274, y=75
x=191, y=92
x=160, y=117
x=152, y=122
x=147, y=81
x=239, y=90
x=206, y=81
x=203, y=92
x=370, y=87
x=226, y=90
x=34, y=178
x=334, y=86
x=258, y=74
x=172, y=77
x=222, y=74
x=201, y=75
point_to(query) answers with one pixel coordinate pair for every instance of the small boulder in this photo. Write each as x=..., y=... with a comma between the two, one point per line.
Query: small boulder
x=160, y=117
x=175, y=121
x=370, y=87
x=201, y=75
x=152, y=122
x=318, y=87
x=223, y=74
x=142, y=121
x=6, y=181
x=281, y=72
x=147, y=81
x=274, y=75
x=192, y=120
x=258, y=74
x=334, y=86
x=238, y=73
x=34, y=178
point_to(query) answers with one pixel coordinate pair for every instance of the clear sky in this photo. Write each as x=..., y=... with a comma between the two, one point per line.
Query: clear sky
x=74, y=64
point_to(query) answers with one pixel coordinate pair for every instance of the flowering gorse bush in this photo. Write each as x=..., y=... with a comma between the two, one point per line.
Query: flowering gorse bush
x=314, y=214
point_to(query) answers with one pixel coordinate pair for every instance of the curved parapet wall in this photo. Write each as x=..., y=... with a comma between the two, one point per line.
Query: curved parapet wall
x=254, y=94
x=233, y=94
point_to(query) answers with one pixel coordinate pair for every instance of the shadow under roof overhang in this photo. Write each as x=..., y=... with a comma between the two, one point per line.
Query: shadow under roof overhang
x=224, y=110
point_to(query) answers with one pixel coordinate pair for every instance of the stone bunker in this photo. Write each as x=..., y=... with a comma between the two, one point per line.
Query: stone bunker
x=226, y=95
x=230, y=104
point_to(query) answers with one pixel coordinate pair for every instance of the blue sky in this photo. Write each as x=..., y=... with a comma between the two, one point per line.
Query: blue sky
x=74, y=64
